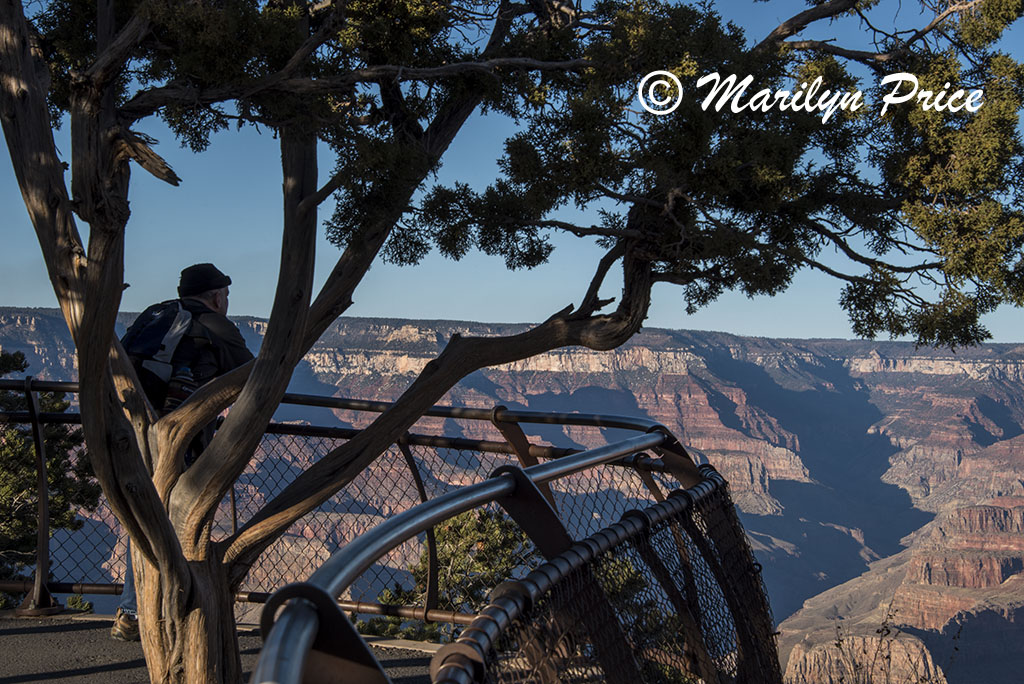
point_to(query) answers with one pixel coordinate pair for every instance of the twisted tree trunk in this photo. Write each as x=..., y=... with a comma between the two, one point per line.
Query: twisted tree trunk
x=196, y=642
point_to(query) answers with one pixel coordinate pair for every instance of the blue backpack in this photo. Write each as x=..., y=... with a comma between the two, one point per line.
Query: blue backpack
x=151, y=342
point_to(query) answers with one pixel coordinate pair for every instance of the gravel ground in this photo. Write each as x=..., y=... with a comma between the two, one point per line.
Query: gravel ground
x=79, y=650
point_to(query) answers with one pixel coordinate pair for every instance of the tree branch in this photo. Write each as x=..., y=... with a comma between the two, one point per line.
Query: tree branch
x=149, y=101
x=460, y=357
x=117, y=52
x=137, y=146
x=88, y=297
x=799, y=22
x=198, y=491
x=591, y=304
x=321, y=195
x=862, y=56
x=313, y=42
x=24, y=115
x=336, y=294
x=175, y=431
x=878, y=58
x=581, y=231
x=856, y=256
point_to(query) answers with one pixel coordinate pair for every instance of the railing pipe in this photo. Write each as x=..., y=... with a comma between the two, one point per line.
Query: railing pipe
x=286, y=658
x=580, y=419
x=510, y=415
x=25, y=585
x=553, y=470
x=345, y=566
x=44, y=418
x=38, y=385
x=365, y=608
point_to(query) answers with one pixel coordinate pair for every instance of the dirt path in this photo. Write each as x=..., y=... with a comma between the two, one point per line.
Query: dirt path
x=80, y=650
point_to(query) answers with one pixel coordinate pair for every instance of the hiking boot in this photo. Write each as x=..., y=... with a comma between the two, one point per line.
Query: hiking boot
x=126, y=626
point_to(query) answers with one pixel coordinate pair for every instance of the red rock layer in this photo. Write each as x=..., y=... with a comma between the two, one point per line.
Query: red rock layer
x=875, y=658
x=968, y=551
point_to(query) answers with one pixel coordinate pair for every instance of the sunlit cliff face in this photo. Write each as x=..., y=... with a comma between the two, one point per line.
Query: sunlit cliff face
x=840, y=454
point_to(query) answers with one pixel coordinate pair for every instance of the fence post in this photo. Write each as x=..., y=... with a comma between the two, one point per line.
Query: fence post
x=39, y=601
x=430, y=600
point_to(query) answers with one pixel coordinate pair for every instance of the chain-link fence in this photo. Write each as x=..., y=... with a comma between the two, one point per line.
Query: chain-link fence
x=431, y=570
x=668, y=595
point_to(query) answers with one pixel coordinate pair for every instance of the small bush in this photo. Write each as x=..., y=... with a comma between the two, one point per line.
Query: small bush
x=78, y=602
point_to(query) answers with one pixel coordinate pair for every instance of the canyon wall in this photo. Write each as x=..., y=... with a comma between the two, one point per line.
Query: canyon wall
x=882, y=485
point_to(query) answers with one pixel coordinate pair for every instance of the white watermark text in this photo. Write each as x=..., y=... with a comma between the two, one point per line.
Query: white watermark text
x=661, y=92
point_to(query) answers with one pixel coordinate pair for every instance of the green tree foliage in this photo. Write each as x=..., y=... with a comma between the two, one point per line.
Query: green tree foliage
x=921, y=207
x=69, y=477
x=475, y=552
x=78, y=603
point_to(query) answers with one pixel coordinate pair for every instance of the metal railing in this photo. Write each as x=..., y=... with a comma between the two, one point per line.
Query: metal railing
x=696, y=610
x=685, y=557
x=419, y=468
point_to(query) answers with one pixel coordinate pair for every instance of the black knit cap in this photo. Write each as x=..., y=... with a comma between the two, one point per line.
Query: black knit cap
x=199, y=278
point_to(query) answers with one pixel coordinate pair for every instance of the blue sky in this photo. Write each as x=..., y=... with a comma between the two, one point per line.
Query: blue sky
x=227, y=211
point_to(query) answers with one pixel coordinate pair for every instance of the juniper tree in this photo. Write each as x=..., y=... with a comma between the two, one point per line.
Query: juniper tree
x=916, y=212
x=475, y=551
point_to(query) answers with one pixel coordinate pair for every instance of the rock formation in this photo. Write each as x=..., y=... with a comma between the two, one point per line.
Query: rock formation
x=881, y=484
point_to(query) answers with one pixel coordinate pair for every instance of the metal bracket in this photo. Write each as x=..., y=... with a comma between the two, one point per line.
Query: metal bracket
x=533, y=512
x=516, y=438
x=676, y=459
x=648, y=479
x=339, y=653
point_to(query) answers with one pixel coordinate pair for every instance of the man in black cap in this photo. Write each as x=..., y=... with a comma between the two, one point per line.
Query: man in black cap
x=214, y=345
x=211, y=346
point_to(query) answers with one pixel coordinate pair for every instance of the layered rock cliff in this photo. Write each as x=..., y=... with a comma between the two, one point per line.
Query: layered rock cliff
x=877, y=481
x=957, y=589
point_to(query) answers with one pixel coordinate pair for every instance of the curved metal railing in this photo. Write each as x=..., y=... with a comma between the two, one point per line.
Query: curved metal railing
x=295, y=631
x=506, y=422
x=668, y=594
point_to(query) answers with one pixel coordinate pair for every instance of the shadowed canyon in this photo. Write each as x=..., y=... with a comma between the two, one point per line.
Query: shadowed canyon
x=882, y=486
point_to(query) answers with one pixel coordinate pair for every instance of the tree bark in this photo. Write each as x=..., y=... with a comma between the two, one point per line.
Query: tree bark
x=24, y=82
x=188, y=628
x=193, y=639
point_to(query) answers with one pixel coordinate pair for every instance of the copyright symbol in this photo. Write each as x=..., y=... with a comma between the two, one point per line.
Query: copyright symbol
x=656, y=92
